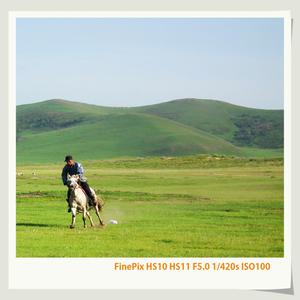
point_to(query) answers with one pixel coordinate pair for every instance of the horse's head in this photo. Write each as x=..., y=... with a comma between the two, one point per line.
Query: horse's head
x=72, y=181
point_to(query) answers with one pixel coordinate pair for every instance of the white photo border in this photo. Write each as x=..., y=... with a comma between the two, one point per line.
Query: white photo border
x=29, y=273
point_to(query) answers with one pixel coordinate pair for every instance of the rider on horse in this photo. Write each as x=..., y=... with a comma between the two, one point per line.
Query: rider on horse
x=74, y=168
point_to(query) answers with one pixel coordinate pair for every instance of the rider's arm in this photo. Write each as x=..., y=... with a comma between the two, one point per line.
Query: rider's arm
x=64, y=175
x=80, y=171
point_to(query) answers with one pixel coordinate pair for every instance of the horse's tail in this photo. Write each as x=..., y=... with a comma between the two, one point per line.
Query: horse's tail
x=100, y=203
x=100, y=206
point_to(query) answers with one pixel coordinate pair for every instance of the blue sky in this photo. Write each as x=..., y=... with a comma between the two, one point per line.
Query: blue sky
x=134, y=62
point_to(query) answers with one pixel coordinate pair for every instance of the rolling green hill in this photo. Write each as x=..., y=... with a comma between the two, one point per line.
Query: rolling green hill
x=55, y=114
x=47, y=130
x=239, y=125
x=119, y=135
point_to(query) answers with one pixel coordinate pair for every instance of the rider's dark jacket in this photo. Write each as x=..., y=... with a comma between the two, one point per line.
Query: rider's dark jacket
x=75, y=169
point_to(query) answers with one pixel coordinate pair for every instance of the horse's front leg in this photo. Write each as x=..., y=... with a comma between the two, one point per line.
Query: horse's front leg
x=73, y=210
x=84, y=213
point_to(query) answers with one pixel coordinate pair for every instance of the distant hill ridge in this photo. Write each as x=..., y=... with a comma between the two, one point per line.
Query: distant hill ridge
x=178, y=127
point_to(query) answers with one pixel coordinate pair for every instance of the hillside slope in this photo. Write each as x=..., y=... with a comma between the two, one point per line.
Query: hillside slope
x=56, y=113
x=48, y=130
x=239, y=125
x=121, y=135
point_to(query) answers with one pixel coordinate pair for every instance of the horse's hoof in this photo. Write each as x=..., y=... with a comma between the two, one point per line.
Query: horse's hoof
x=72, y=226
x=85, y=226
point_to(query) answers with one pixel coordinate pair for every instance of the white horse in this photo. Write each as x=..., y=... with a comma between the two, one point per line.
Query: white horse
x=79, y=203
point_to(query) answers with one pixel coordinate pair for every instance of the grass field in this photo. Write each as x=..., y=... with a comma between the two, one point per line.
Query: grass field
x=196, y=206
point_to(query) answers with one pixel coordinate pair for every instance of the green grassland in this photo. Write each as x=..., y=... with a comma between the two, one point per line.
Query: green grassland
x=184, y=178
x=116, y=135
x=189, y=206
x=48, y=130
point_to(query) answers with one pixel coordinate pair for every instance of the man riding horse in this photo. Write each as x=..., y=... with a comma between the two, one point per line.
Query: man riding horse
x=74, y=168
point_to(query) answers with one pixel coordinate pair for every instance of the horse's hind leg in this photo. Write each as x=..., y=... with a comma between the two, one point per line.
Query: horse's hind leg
x=98, y=215
x=90, y=217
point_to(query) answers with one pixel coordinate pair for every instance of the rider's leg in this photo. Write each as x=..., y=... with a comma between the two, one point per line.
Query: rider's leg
x=87, y=189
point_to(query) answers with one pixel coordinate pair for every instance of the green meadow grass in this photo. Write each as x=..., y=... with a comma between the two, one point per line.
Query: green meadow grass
x=197, y=206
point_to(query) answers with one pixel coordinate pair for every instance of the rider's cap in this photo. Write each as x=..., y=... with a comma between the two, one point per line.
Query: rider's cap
x=68, y=157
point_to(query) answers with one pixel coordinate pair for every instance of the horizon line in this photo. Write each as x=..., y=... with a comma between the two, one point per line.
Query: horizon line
x=136, y=106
